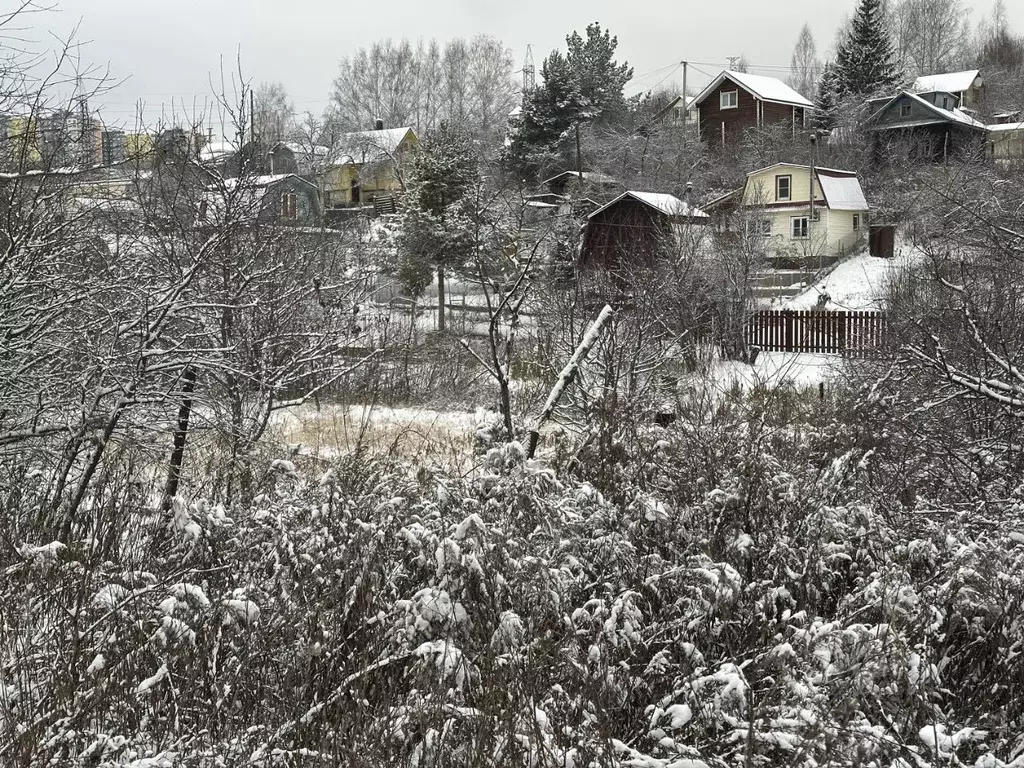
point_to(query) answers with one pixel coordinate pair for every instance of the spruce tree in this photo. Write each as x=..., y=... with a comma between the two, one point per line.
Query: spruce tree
x=829, y=98
x=866, y=60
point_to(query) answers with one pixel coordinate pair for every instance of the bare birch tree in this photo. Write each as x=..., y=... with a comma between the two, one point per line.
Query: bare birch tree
x=464, y=82
x=805, y=66
x=932, y=36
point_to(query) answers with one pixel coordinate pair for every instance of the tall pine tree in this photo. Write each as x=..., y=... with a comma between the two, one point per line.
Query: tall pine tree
x=439, y=216
x=866, y=60
x=581, y=86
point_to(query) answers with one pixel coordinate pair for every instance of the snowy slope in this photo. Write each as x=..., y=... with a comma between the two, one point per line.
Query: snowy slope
x=857, y=283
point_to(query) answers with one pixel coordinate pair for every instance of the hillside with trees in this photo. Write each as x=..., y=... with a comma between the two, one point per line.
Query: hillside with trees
x=327, y=442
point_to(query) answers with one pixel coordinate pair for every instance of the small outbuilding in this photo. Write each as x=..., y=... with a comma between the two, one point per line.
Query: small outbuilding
x=634, y=228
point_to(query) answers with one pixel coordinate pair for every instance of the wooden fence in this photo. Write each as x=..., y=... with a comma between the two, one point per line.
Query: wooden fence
x=856, y=334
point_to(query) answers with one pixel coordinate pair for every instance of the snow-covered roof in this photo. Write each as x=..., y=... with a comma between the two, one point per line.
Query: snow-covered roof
x=670, y=205
x=1000, y=127
x=956, y=115
x=311, y=151
x=371, y=146
x=261, y=181
x=245, y=196
x=592, y=176
x=947, y=115
x=821, y=169
x=949, y=82
x=842, y=193
x=217, y=150
x=764, y=88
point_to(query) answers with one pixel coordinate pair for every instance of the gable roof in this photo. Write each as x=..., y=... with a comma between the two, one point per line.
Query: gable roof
x=591, y=176
x=950, y=82
x=940, y=115
x=670, y=205
x=817, y=168
x=764, y=88
x=842, y=192
x=246, y=197
x=690, y=104
x=841, y=189
x=371, y=146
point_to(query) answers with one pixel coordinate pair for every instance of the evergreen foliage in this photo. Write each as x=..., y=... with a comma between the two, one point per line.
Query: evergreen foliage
x=437, y=229
x=866, y=60
x=829, y=98
x=581, y=86
x=600, y=80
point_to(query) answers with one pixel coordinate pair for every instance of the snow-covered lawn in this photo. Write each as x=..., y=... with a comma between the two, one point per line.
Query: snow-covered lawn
x=776, y=369
x=858, y=283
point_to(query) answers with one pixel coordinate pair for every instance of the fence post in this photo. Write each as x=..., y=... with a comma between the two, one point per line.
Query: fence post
x=787, y=338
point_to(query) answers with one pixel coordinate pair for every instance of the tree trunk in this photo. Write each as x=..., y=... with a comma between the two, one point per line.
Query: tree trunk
x=180, y=435
x=440, y=298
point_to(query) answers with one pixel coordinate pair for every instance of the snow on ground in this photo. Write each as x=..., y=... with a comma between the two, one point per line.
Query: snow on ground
x=857, y=283
x=776, y=369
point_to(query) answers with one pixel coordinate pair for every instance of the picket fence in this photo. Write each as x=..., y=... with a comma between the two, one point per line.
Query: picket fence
x=853, y=333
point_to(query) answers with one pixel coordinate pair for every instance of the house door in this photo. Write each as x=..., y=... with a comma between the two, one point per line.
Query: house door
x=356, y=193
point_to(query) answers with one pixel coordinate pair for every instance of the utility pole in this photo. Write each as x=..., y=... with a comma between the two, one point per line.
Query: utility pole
x=686, y=102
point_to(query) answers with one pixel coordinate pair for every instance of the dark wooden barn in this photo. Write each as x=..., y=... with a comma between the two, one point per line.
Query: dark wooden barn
x=633, y=228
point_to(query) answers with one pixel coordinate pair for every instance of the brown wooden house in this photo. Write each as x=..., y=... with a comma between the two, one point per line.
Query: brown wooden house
x=736, y=101
x=634, y=228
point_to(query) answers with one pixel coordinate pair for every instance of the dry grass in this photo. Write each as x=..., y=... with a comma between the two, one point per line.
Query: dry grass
x=421, y=433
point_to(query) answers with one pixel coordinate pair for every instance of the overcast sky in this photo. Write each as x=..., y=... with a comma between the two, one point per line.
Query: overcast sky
x=168, y=51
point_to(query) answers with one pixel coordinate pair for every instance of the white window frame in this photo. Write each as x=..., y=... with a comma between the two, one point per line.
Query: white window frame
x=789, y=188
x=289, y=206
x=805, y=230
x=856, y=222
x=735, y=99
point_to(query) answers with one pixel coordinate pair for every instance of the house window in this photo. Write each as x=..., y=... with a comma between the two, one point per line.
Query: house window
x=729, y=99
x=289, y=205
x=904, y=110
x=945, y=102
x=798, y=226
x=856, y=222
x=759, y=228
x=783, y=188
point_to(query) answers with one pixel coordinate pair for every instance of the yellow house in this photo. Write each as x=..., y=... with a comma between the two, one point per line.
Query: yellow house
x=370, y=164
x=776, y=205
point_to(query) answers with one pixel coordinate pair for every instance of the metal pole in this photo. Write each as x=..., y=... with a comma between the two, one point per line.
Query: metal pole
x=686, y=103
x=810, y=215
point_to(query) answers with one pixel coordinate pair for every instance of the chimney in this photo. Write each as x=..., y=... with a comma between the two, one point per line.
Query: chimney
x=688, y=194
x=378, y=125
